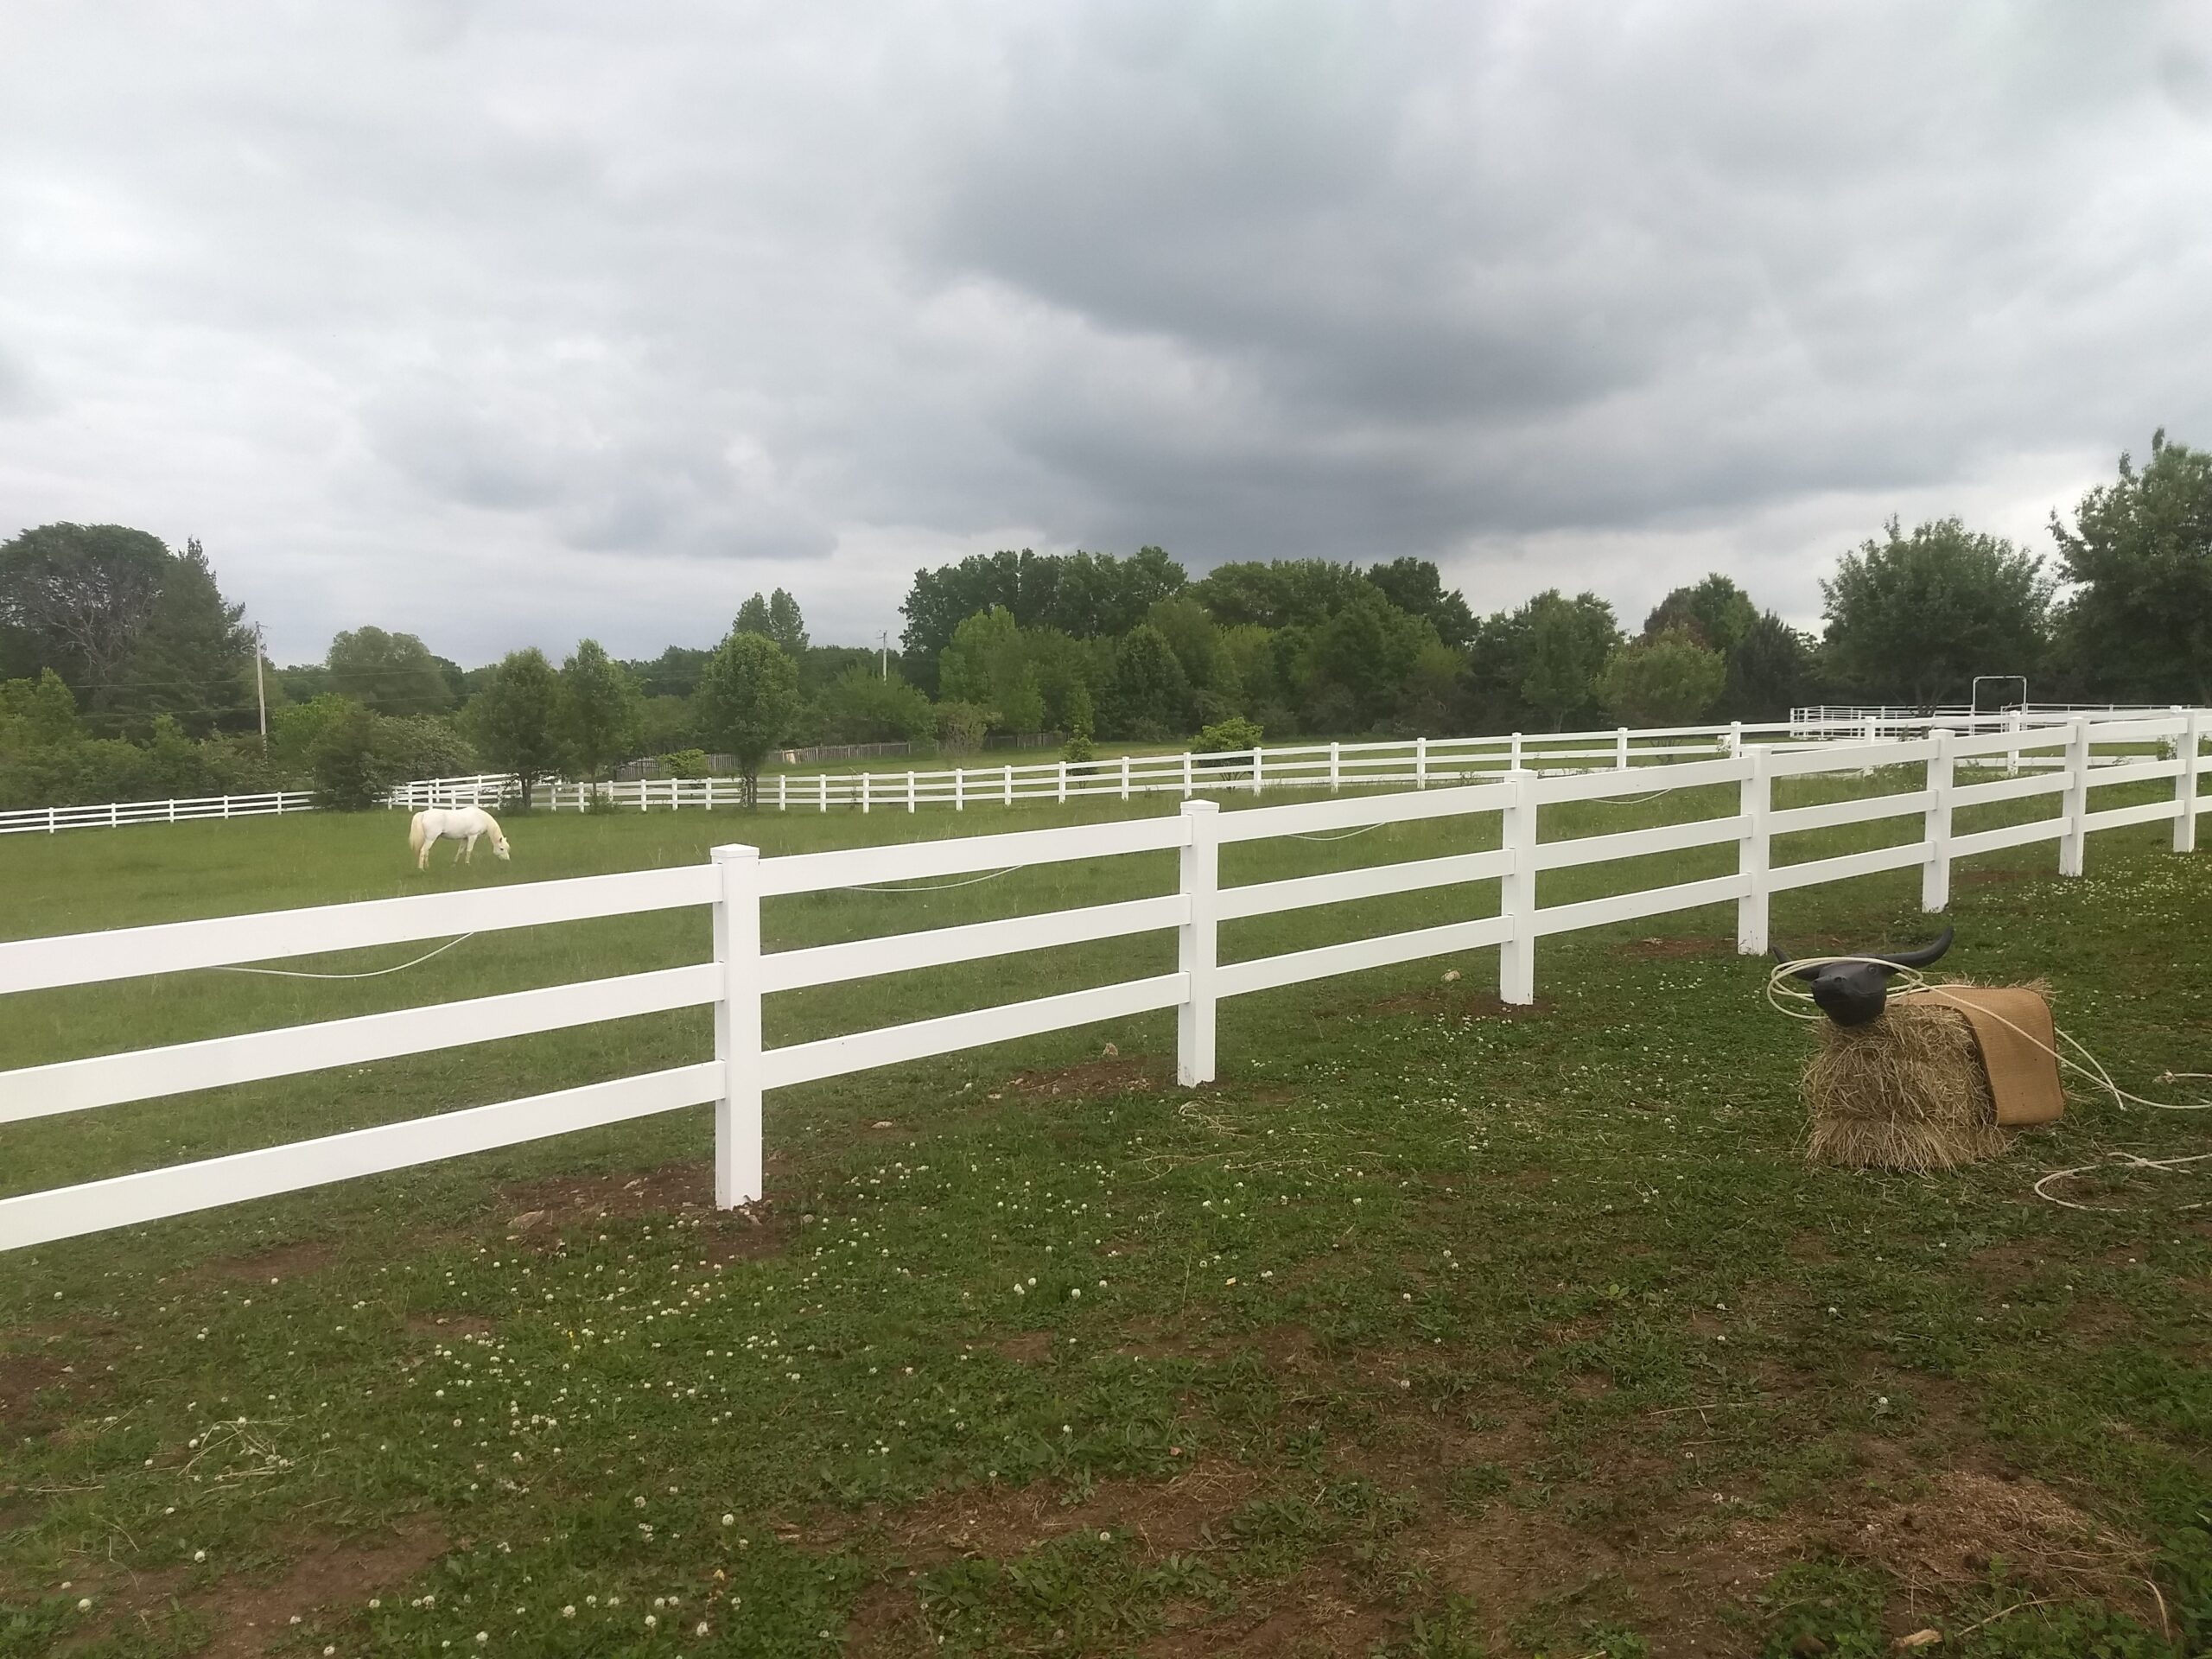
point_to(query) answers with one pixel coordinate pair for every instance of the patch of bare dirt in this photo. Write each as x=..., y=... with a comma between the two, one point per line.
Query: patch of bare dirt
x=1030, y=1348
x=23, y=1378
x=278, y=1263
x=1004, y=1522
x=249, y=1618
x=1312, y=1616
x=1093, y=1080
x=538, y=1212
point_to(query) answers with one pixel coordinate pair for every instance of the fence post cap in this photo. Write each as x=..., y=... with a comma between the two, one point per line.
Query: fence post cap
x=1200, y=803
x=732, y=852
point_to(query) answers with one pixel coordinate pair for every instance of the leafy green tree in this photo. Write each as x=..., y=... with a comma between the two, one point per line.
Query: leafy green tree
x=74, y=598
x=1416, y=587
x=343, y=757
x=1150, y=697
x=1364, y=653
x=1279, y=593
x=518, y=719
x=421, y=746
x=1431, y=698
x=748, y=698
x=391, y=673
x=861, y=706
x=1715, y=614
x=984, y=655
x=961, y=726
x=1083, y=595
x=1914, y=618
x=36, y=713
x=193, y=659
x=2138, y=623
x=295, y=728
x=1080, y=721
x=1771, y=670
x=753, y=616
x=1192, y=633
x=1667, y=680
x=1566, y=645
x=605, y=715
x=785, y=626
x=674, y=673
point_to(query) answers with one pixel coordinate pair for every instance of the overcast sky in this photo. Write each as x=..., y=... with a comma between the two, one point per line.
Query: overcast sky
x=506, y=323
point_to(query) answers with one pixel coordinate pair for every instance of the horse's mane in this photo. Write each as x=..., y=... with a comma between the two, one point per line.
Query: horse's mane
x=497, y=833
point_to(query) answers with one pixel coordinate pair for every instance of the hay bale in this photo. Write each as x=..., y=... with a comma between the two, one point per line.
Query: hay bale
x=1905, y=1092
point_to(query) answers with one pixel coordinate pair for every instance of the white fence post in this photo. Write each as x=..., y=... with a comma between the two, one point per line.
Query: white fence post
x=1513, y=762
x=1063, y=796
x=1754, y=853
x=2074, y=843
x=1420, y=763
x=1735, y=737
x=910, y=792
x=2012, y=748
x=1188, y=787
x=1125, y=777
x=1195, y=947
x=1935, y=874
x=783, y=792
x=2192, y=767
x=1620, y=750
x=173, y=810
x=1256, y=780
x=1516, y=891
x=1336, y=767
x=959, y=790
x=1008, y=799
x=864, y=791
x=822, y=782
x=737, y=1026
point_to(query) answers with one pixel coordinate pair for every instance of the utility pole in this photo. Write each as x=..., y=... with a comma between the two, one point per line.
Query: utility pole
x=883, y=649
x=260, y=699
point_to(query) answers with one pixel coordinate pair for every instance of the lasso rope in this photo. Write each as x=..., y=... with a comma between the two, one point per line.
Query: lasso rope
x=375, y=973
x=1911, y=982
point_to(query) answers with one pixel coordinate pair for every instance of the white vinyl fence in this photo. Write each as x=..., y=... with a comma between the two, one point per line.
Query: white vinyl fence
x=1416, y=763
x=113, y=814
x=740, y=975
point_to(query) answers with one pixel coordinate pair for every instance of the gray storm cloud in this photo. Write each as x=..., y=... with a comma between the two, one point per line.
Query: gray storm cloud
x=509, y=324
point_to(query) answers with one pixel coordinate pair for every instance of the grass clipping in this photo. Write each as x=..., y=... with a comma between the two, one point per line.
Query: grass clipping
x=1905, y=1092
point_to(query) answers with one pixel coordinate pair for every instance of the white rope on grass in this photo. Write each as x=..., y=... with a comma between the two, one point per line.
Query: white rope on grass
x=377, y=973
x=2111, y=1160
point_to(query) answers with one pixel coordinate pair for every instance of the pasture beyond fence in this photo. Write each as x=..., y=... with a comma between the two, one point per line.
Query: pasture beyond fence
x=1415, y=763
x=740, y=975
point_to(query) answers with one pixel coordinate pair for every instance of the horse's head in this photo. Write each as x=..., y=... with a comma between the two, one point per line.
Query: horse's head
x=499, y=844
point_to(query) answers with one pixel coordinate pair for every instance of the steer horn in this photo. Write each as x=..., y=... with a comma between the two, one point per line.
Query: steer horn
x=1853, y=993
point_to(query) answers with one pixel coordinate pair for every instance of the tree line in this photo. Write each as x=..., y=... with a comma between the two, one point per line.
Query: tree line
x=124, y=672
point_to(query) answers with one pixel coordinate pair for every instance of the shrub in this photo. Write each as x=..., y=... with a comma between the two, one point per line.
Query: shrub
x=961, y=726
x=685, y=763
x=1226, y=736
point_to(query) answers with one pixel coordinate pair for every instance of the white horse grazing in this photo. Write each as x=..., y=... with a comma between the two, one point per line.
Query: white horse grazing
x=461, y=824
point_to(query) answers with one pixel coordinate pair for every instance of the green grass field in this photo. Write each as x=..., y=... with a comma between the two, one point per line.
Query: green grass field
x=1431, y=1329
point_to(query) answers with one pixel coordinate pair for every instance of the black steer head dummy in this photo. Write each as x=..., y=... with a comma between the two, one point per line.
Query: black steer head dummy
x=1852, y=993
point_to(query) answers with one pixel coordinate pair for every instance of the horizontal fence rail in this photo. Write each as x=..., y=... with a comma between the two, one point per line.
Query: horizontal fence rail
x=740, y=975
x=1418, y=763
x=46, y=820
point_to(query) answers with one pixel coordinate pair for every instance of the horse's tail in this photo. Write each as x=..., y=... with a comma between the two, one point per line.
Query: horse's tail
x=415, y=835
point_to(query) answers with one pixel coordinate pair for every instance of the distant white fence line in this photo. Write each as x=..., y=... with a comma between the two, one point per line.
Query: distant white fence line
x=741, y=975
x=45, y=820
x=1418, y=763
